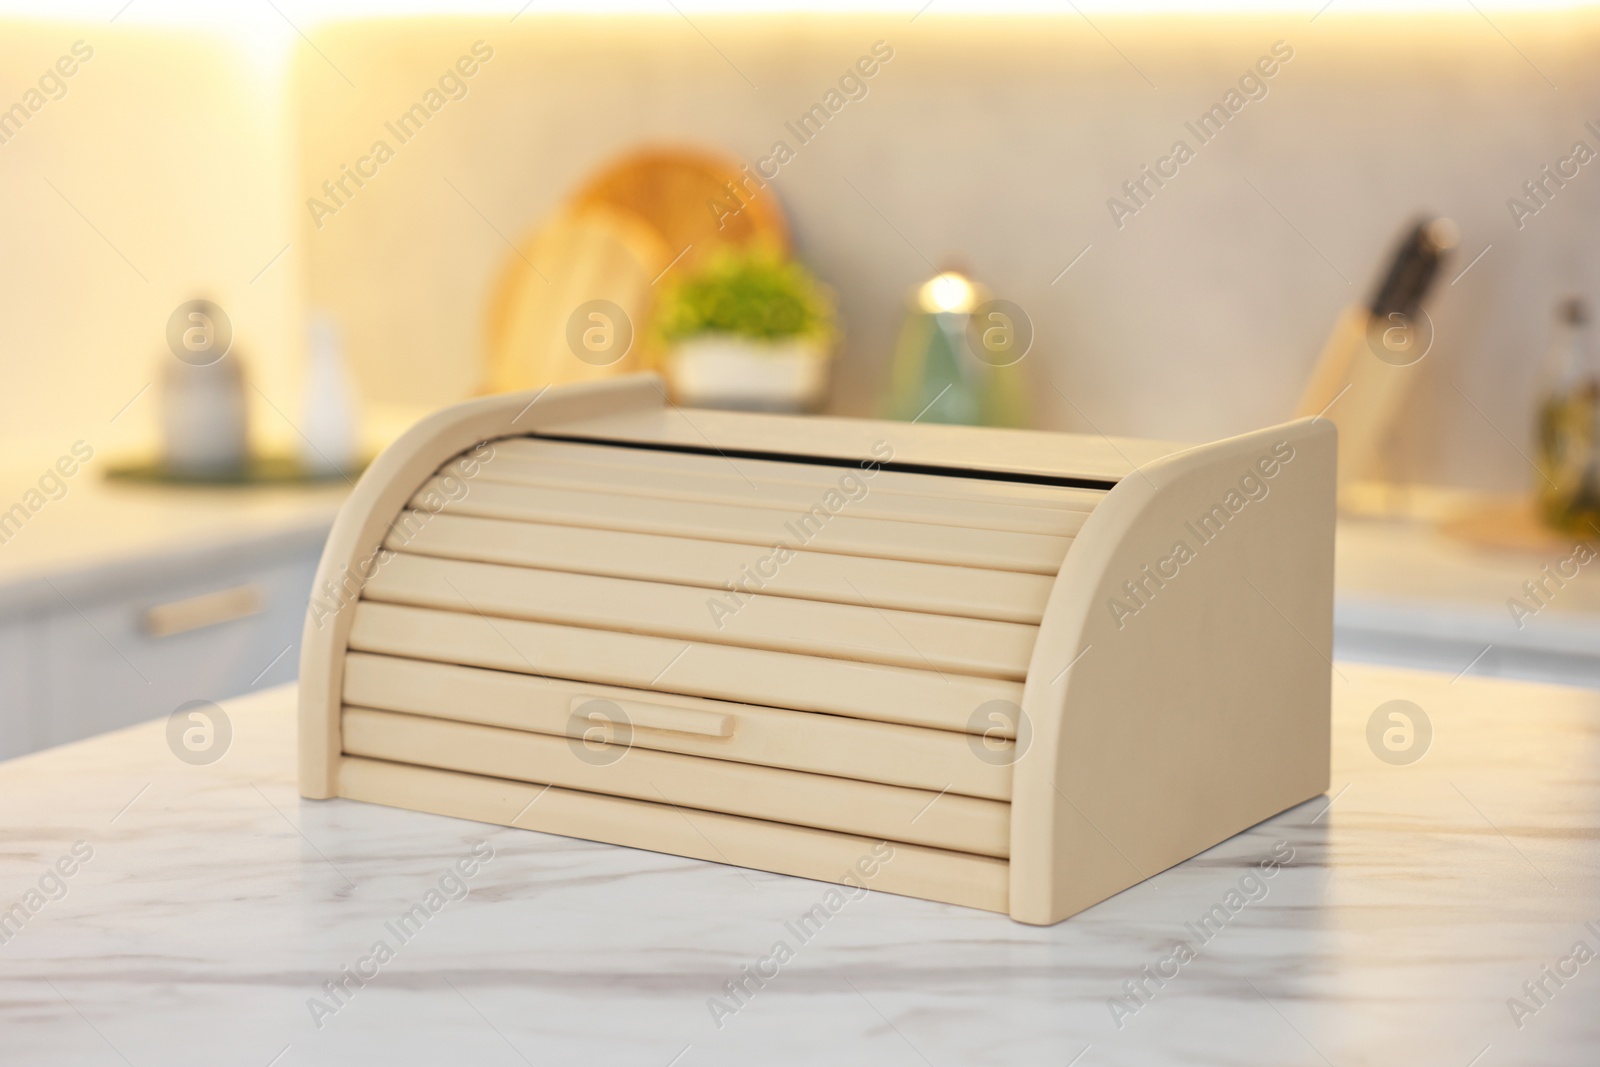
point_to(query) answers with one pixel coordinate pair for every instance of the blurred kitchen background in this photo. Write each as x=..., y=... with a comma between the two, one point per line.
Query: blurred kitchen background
x=224, y=161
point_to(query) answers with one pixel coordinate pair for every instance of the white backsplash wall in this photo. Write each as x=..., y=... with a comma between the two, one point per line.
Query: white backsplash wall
x=996, y=145
x=159, y=174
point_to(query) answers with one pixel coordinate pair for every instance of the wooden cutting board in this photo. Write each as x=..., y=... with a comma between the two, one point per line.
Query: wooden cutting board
x=546, y=325
x=650, y=213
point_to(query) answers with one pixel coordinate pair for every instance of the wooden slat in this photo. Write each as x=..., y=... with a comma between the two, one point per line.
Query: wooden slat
x=840, y=631
x=745, y=675
x=797, y=740
x=818, y=530
x=911, y=870
x=888, y=812
x=764, y=472
x=966, y=591
x=968, y=448
x=866, y=499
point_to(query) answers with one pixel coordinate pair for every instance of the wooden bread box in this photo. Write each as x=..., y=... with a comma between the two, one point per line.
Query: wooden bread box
x=1011, y=670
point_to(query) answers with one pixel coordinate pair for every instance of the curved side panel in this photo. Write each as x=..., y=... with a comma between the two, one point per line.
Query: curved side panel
x=351, y=552
x=1179, y=689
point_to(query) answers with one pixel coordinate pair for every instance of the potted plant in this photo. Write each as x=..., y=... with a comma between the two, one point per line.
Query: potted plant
x=749, y=329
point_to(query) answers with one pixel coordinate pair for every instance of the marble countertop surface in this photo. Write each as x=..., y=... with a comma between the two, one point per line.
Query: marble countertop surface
x=204, y=910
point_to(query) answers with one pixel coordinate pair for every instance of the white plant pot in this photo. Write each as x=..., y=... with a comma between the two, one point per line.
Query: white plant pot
x=727, y=371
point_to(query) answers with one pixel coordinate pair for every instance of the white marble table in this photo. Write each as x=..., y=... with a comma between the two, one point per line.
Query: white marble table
x=216, y=903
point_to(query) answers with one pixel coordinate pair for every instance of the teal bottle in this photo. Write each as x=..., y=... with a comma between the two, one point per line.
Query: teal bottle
x=936, y=378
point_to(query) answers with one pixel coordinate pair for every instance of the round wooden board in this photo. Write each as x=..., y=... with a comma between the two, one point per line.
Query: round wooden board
x=673, y=189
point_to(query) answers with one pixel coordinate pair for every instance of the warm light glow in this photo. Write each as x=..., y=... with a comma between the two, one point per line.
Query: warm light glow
x=304, y=12
x=946, y=292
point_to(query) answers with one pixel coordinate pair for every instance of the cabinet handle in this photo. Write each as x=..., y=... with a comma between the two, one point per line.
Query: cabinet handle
x=642, y=716
x=208, y=609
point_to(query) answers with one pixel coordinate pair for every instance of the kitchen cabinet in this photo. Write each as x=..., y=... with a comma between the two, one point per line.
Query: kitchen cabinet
x=23, y=728
x=107, y=662
x=120, y=603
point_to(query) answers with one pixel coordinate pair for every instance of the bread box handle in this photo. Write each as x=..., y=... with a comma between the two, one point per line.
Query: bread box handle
x=643, y=716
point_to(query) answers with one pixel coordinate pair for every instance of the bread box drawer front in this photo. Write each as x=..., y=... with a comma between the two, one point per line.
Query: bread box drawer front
x=938, y=760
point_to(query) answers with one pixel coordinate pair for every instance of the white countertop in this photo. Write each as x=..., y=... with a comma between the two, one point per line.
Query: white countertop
x=103, y=532
x=216, y=904
x=1409, y=593
x=97, y=535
